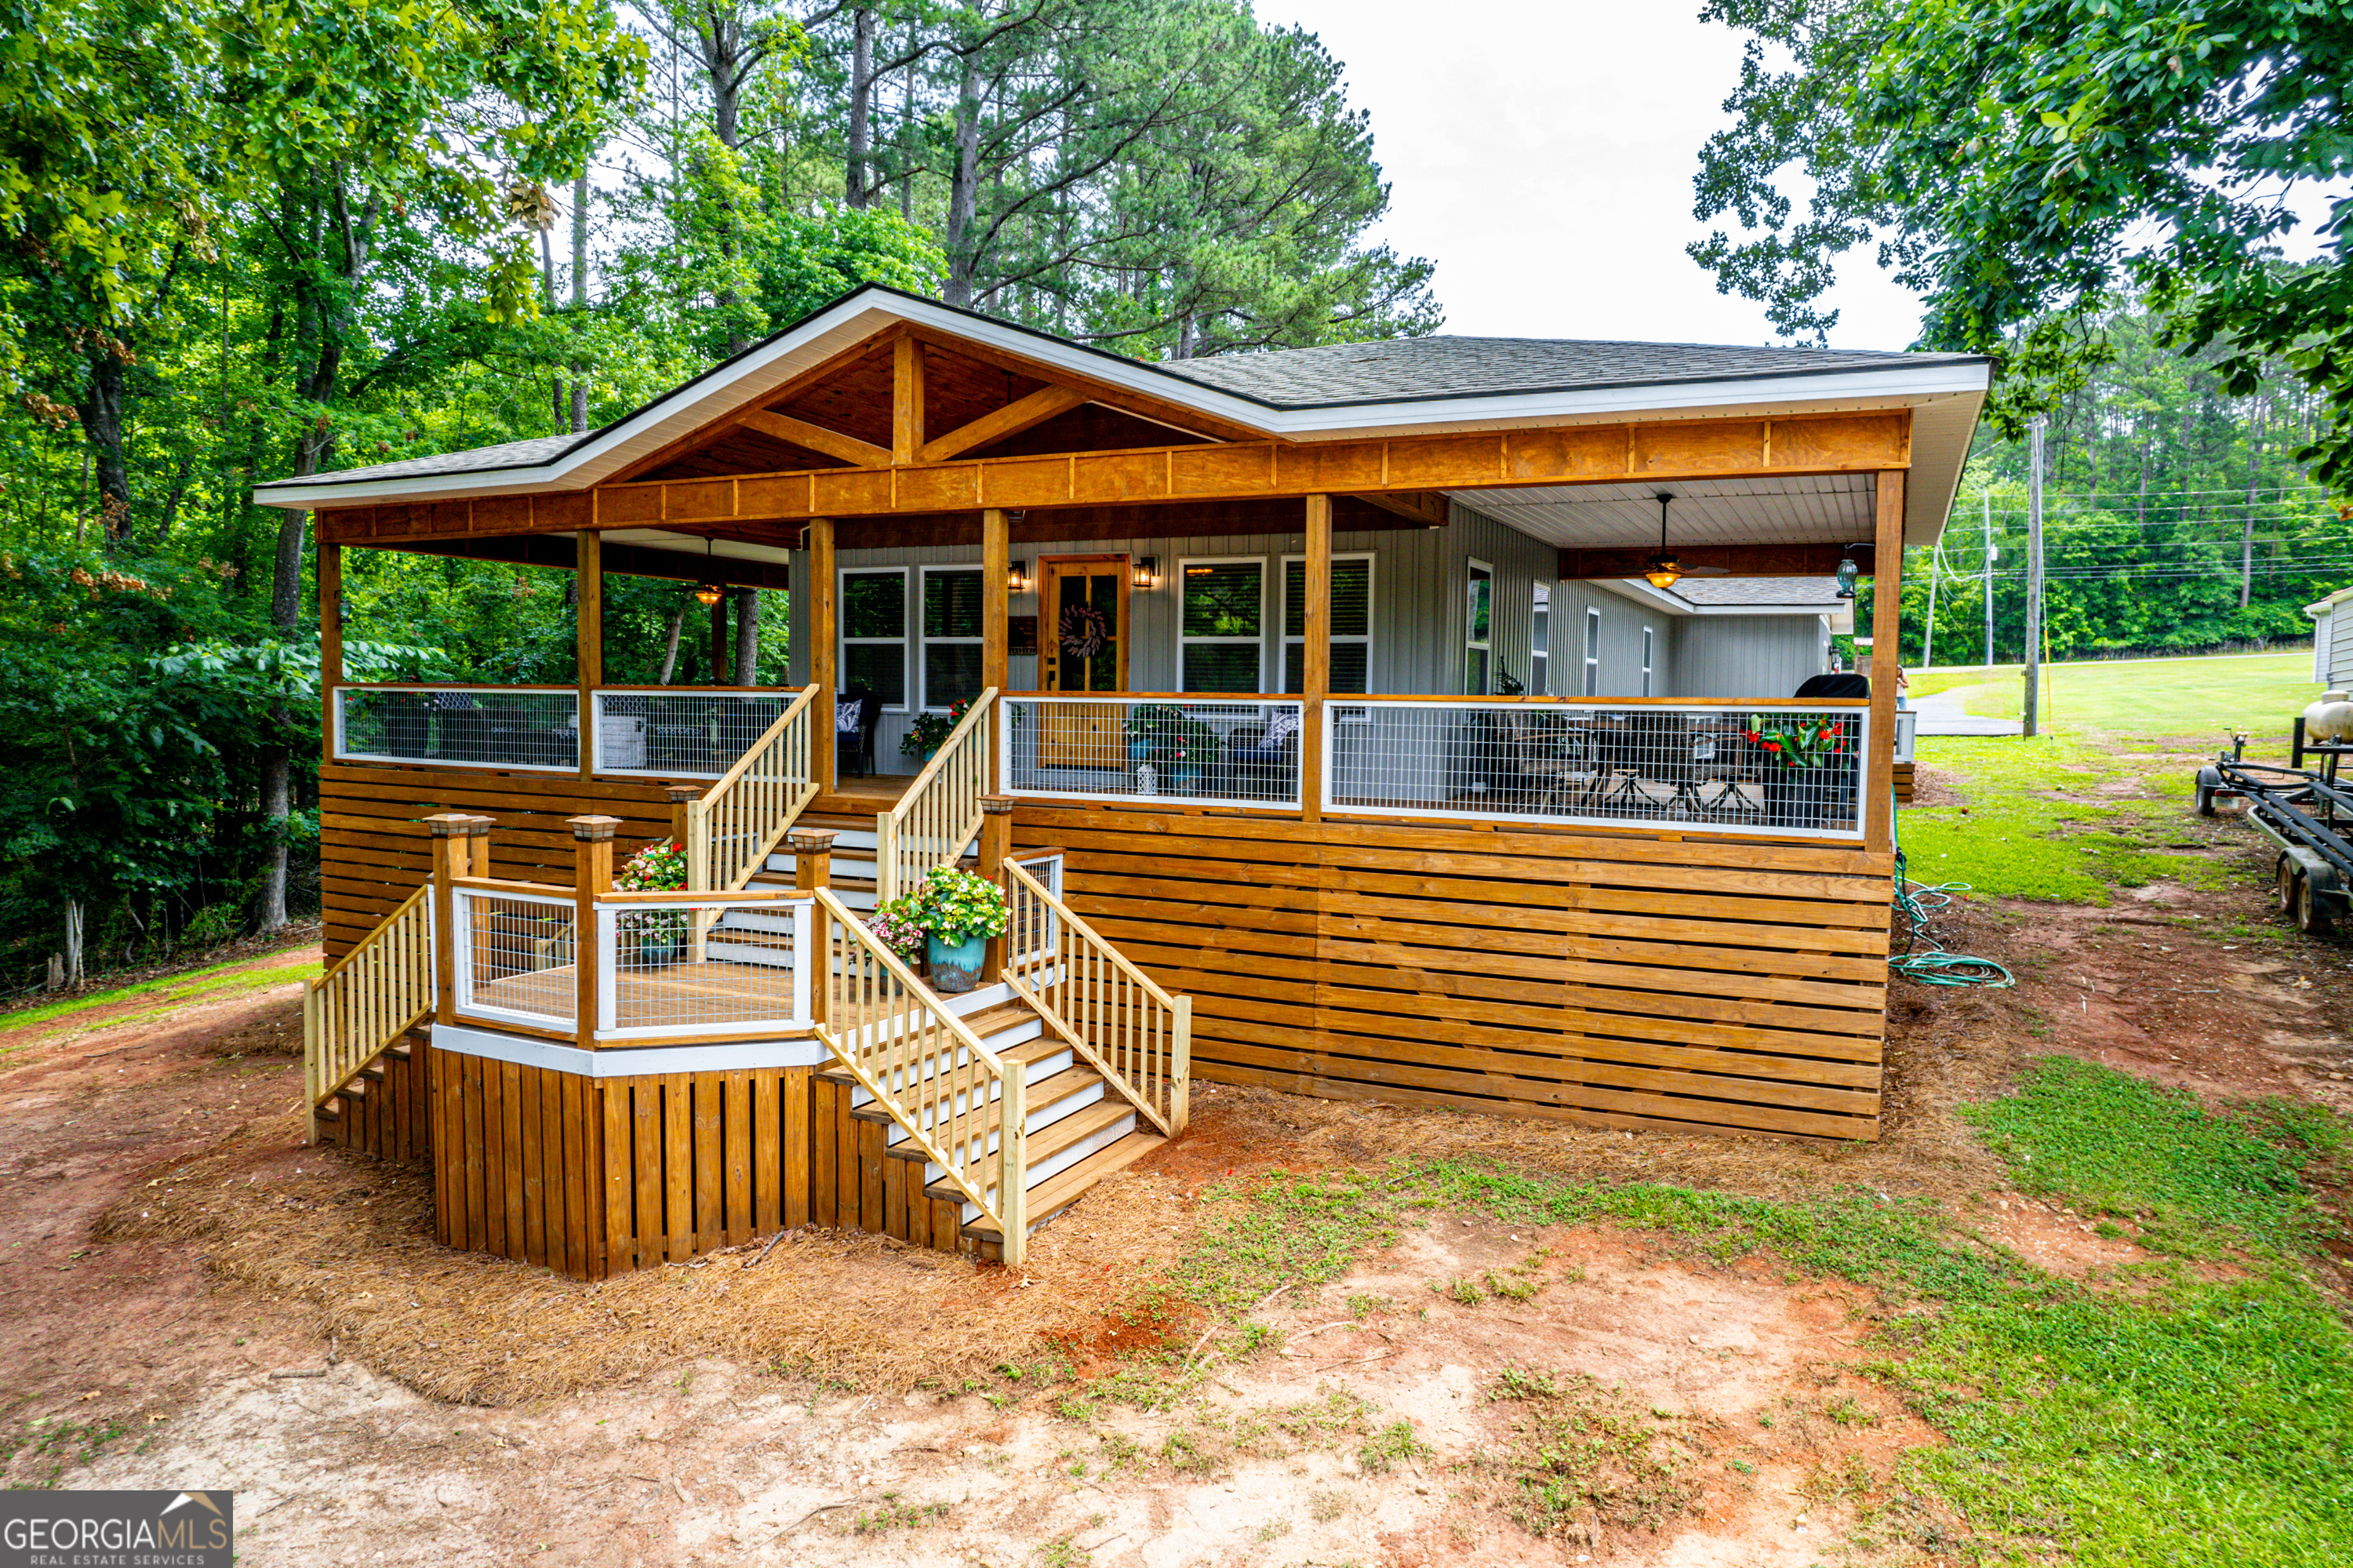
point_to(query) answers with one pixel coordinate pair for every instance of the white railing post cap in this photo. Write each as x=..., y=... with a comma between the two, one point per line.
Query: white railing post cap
x=811, y=840
x=997, y=805
x=590, y=830
x=449, y=825
x=681, y=793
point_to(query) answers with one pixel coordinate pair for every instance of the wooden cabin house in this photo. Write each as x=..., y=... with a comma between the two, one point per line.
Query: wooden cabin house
x=1318, y=711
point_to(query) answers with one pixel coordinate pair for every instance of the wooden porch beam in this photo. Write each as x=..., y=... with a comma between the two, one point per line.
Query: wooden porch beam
x=1738, y=560
x=1425, y=507
x=559, y=553
x=816, y=438
x=906, y=398
x=1010, y=420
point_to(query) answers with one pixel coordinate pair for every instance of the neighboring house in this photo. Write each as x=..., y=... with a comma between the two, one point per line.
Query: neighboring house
x=1294, y=736
x=2332, y=639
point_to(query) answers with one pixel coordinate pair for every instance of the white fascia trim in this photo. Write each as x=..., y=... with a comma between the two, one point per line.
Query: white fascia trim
x=1641, y=592
x=736, y=384
x=626, y=1061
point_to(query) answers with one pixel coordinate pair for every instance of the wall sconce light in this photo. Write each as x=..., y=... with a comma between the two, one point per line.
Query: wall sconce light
x=1147, y=572
x=1019, y=579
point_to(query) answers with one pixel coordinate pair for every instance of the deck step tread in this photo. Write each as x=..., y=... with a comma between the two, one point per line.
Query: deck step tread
x=1050, y=1090
x=1048, y=1141
x=1050, y=1198
x=749, y=937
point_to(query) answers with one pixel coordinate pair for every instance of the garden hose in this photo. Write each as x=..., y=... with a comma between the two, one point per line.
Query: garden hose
x=1924, y=958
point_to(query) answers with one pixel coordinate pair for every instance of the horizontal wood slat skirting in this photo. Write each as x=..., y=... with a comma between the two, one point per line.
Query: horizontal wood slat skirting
x=374, y=850
x=597, y=1177
x=1579, y=454
x=1618, y=979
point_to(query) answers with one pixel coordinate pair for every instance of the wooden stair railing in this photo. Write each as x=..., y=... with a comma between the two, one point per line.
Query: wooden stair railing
x=732, y=829
x=940, y=812
x=1114, y=1017
x=925, y=1067
x=374, y=994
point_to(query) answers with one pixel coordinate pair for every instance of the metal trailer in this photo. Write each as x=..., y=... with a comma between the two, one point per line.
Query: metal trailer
x=2307, y=814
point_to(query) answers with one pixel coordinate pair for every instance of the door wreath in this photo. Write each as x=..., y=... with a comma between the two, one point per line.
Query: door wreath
x=1085, y=631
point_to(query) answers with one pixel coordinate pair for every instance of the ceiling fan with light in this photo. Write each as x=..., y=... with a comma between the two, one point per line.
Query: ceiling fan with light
x=1664, y=571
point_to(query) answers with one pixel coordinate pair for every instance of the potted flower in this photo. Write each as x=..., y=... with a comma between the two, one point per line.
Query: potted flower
x=1803, y=757
x=893, y=924
x=958, y=911
x=1164, y=746
x=659, y=936
x=929, y=731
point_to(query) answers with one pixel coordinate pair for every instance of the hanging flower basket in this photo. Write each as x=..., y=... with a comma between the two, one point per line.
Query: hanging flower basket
x=1085, y=631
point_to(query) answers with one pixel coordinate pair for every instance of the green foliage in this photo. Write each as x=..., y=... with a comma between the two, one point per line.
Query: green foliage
x=2110, y=1144
x=957, y=905
x=2024, y=165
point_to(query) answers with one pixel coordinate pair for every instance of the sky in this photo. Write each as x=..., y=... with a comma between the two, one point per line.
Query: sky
x=1542, y=154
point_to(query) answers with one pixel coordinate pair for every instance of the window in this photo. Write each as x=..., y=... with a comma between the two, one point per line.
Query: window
x=1222, y=629
x=1352, y=622
x=1592, y=653
x=1478, y=631
x=874, y=634
x=1540, y=642
x=951, y=636
x=1649, y=647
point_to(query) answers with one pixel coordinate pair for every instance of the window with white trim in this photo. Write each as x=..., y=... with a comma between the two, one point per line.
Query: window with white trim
x=1479, y=632
x=1649, y=650
x=1221, y=623
x=1540, y=642
x=1592, y=651
x=1351, y=614
x=874, y=634
x=951, y=634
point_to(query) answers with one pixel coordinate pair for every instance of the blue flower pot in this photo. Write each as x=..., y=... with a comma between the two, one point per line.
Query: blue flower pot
x=955, y=966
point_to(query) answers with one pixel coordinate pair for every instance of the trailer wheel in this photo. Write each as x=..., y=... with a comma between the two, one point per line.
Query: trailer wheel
x=2312, y=913
x=2286, y=879
x=2206, y=781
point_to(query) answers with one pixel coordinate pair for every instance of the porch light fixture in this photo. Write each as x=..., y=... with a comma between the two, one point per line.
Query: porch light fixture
x=706, y=592
x=1664, y=571
x=1147, y=572
x=1018, y=579
x=1847, y=571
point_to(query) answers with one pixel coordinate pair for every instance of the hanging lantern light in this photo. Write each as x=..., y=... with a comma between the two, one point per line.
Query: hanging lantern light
x=1847, y=572
x=706, y=592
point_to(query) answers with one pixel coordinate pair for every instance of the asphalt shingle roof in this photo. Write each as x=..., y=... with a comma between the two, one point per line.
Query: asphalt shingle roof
x=1779, y=593
x=1474, y=366
x=471, y=460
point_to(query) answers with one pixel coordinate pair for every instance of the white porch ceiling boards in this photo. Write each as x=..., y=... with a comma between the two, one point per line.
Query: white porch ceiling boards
x=1803, y=509
x=678, y=544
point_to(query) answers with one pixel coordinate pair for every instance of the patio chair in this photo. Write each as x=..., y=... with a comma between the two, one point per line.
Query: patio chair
x=855, y=719
x=1262, y=760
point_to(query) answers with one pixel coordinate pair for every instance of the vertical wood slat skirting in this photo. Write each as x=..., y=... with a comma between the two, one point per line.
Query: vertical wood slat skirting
x=593, y=1178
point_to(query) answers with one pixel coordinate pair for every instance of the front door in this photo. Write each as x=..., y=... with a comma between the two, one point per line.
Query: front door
x=1082, y=647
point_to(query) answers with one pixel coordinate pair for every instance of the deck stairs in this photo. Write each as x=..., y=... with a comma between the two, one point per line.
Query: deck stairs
x=748, y=935
x=1079, y=1129
x=352, y=1098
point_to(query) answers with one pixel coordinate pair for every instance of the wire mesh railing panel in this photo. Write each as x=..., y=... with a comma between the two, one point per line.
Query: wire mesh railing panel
x=701, y=966
x=1031, y=931
x=515, y=958
x=680, y=734
x=532, y=727
x=1233, y=751
x=1777, y=769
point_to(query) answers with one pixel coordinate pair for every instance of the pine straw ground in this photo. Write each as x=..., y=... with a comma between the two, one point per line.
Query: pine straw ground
x=344, y=1243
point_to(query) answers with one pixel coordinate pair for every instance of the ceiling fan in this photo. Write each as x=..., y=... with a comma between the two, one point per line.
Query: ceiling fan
x=1664, y=571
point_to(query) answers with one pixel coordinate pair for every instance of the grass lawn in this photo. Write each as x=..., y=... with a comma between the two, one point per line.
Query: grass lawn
x=2159, y=702
x=2157, y=1415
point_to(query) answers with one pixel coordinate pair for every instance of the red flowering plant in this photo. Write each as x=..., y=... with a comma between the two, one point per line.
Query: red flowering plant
x=658, y=867
x=1795, y=740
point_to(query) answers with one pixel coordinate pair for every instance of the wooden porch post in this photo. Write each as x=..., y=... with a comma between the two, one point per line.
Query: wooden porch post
x=1316, y=657
x=450, y=860
x=812, y=869
x=812, y=858
x=331, y=644
x=1886, y=624
x=995, y=622
x=592, y=873
x=820, y=592
x=683, y=797
x=589, y=580
x=478, y=845
x=723, y=646
x=996, y=844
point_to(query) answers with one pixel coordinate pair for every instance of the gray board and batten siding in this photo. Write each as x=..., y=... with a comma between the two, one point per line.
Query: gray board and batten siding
x=1421, y=603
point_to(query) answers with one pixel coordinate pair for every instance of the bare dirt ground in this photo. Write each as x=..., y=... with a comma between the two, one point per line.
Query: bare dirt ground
x=173, y=1252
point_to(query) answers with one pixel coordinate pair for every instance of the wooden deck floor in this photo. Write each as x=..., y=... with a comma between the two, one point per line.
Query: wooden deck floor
x=683, y=995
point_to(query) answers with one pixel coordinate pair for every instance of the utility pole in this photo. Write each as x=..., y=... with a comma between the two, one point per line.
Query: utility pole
x=2247, y=520
x=1985, y=511
x=2035, y=428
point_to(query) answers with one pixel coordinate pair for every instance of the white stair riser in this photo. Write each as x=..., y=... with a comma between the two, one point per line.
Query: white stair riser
x=1044, y=1067
x=1046, y=1170
x=717, y=950
x=1039, y=1121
